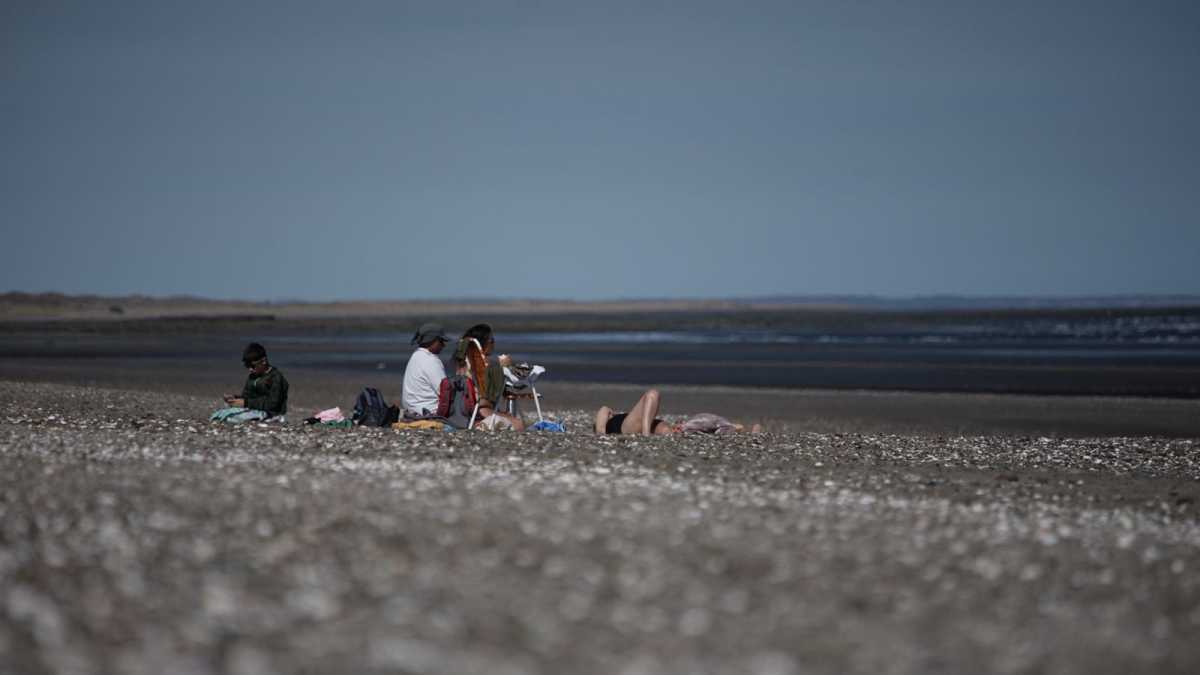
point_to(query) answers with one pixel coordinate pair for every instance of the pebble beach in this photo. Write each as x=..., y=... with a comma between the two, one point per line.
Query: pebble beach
x=137, y=537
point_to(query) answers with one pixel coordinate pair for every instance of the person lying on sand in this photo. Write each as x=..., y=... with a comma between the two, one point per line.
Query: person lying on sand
x=474, y=349
x=642, y=418
x=266, y=388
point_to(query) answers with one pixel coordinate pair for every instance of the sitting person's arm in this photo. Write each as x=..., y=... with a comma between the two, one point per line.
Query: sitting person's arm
x=239, y=400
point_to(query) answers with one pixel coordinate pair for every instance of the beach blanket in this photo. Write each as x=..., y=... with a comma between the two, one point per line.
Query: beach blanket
x=423, y=424
x=239, y=415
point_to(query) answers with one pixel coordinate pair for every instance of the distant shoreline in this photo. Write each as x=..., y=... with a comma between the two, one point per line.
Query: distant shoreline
x=1123, y=351
x=56, y=307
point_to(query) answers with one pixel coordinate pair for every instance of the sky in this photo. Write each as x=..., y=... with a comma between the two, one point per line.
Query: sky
x=339, y=150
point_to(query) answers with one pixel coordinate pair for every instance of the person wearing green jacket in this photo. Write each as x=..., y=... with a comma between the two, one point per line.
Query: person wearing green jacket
x=266, y=388
x=474, y=349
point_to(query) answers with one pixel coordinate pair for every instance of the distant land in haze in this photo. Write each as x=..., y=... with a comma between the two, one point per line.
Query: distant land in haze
x=57, y=306
x=968, y=302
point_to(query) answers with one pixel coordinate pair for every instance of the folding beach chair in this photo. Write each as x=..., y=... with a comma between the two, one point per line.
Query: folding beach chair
x=519, y=382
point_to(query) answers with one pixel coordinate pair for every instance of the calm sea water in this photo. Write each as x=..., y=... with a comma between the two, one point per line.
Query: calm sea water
x=1139, y=352
x=1152, y=355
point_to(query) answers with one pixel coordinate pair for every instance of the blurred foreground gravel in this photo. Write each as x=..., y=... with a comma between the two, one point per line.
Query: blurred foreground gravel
x=136, y=537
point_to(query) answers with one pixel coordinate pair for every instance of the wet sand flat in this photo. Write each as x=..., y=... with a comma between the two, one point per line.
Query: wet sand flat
x=1127, y=349
x=852, y=411
x=136, y=537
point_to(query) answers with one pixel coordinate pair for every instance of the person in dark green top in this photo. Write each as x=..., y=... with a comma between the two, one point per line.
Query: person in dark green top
x=266, y=388
x=474, y=350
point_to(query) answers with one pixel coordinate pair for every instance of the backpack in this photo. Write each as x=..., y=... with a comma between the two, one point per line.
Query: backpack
x=456, y=400
x=371, y=410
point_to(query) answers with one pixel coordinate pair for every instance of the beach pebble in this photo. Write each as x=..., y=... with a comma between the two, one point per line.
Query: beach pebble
x=162, y=542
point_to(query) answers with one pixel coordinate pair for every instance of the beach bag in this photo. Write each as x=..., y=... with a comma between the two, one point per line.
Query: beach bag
x=456, y=400
x=371, y=410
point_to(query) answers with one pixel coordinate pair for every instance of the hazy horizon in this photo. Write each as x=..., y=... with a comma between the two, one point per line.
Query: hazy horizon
x=1130, y=300
x=372, y=150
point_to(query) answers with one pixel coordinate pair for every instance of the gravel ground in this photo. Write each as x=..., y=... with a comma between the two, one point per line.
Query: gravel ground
x=135, y=537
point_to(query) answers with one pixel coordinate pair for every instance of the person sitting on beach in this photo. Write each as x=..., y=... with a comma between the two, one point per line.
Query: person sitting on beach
x=264, y=395
x=474, y=349
x=642, y=418
x=424, y=372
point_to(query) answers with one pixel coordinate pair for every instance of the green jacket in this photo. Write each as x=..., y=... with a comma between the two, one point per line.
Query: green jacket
x=495, y=388
x=267, y=392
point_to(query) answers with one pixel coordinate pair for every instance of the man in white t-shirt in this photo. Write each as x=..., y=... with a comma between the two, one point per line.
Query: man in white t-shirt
x=424, y=373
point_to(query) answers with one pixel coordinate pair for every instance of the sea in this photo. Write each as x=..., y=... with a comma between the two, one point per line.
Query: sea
x=1130, y=353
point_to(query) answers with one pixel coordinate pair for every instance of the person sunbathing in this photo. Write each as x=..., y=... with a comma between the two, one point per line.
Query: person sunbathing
x=474, y=349
x=642, y=418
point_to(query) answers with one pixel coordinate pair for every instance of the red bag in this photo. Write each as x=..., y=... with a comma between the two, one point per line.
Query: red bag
x=456, y=400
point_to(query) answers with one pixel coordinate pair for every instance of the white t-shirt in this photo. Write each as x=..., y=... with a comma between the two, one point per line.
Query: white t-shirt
x=422, y=377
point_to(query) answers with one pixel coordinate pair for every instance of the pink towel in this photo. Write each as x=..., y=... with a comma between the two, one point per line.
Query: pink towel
x=331, y=415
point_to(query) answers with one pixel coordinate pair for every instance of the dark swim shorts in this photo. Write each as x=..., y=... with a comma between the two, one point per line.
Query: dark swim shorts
x=614, y=423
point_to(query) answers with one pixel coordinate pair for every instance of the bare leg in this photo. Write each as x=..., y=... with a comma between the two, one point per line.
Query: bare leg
x=517, y=423
x=641, y=417
x=603, y=415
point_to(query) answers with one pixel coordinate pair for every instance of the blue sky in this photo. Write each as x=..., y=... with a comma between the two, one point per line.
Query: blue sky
x=403, y=150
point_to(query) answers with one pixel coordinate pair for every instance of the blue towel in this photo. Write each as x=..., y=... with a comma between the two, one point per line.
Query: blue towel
x=238, y=415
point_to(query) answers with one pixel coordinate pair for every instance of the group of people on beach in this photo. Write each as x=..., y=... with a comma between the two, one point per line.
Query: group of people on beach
x=425, y=381
x=477, y=377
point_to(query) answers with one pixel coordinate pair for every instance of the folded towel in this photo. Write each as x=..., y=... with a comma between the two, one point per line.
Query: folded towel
x=522, y=375
x=330, y=415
